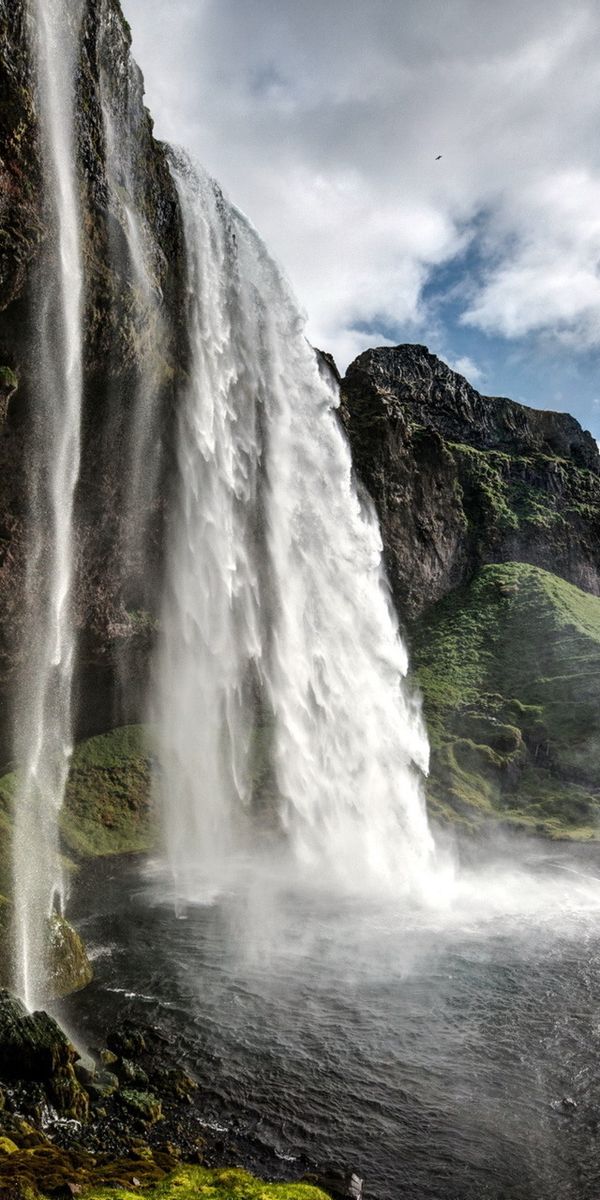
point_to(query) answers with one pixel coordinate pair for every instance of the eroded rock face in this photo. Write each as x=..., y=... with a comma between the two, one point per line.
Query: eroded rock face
x=116, y=592
x=474, y=495
x=460, y=480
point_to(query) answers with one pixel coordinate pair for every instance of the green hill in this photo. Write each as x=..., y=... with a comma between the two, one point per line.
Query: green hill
x=509, y=667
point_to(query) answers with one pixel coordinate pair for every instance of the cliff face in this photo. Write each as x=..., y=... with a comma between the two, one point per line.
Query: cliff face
x=460, y=480
x=476, y=494
x=133, y=352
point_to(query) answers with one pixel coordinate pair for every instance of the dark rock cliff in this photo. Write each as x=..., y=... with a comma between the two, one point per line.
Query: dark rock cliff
x=115, y=596
x=475, y=494
x=460, y=480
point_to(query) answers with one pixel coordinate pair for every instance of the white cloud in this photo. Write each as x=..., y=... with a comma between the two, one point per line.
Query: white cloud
x=323, y=121
x=465, y=366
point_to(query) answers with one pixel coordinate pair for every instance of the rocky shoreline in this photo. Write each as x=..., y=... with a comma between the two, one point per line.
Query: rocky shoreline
x=127, y=1115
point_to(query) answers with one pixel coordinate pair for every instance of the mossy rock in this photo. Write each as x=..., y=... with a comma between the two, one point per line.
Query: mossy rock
x=509, y=667
x=132, y=1072
x=34, y=1047
x=107, y=807
x=191, y=1183
x=144, y=1105
x=8, y=381
x=69, y=969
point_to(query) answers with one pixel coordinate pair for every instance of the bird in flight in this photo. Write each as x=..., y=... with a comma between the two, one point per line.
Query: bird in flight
x=438, y=158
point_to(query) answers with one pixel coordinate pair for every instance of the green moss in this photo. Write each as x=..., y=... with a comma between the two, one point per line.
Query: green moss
x=484, y=474
x=144, y=1105
x=510, y=672
x=70, y=967
x=8, y=379
x=503, y=492
x=107, y=807
x=192, y=1183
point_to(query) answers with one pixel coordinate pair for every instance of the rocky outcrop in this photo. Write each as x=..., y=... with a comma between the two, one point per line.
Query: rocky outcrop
x=460, y=480
x=437, y=397
x=475, y=494
x=70, y=1126
x=116, y=586
x=35, y=1049
x=69, y=968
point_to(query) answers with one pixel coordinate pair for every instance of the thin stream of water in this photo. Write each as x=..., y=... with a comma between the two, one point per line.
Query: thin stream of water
x=43, y=733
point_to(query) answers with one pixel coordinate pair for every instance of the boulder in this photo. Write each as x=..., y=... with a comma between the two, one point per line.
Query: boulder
x=69, y=966
x=34, y=1048
x=143, y=1105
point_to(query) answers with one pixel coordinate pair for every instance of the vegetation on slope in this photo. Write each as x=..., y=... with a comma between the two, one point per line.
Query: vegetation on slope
x=196, y=1183
x=107, y=807
x=509, y=667
x=107, y=810
x=18, y=1171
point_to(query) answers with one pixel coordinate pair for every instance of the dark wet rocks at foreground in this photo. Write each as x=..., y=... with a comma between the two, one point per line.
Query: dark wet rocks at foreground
x=127, y=1115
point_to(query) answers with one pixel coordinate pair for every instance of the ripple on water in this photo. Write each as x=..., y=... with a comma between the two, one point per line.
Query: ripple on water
x=431, y=1049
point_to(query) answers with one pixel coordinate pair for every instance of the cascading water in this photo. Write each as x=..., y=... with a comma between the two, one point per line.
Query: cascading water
x=279, y=639
x=43, y=720
x=211, y=627
x=134, y=256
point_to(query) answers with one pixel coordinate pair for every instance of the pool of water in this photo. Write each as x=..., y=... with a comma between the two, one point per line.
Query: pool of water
x=431, y=1046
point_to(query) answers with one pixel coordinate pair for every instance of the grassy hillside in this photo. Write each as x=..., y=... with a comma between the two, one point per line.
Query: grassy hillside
x=107, y=807
x=509, y=667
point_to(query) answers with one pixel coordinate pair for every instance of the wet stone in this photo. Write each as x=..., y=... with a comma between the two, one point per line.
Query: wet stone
x=131, y=1072
x=144, y=1105
x=340, y=1183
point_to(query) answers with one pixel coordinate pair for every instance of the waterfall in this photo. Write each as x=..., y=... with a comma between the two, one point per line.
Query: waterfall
x=282, y=707
x=43, y=708
x=133, y=255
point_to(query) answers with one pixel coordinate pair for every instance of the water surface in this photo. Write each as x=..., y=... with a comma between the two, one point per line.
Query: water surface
x=430, y=1047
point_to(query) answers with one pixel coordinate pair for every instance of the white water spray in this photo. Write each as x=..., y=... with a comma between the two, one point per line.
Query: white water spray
x=43, y=722
x=279, y=638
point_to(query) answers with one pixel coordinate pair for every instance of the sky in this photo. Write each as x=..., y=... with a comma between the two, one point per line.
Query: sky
x=323, y=120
